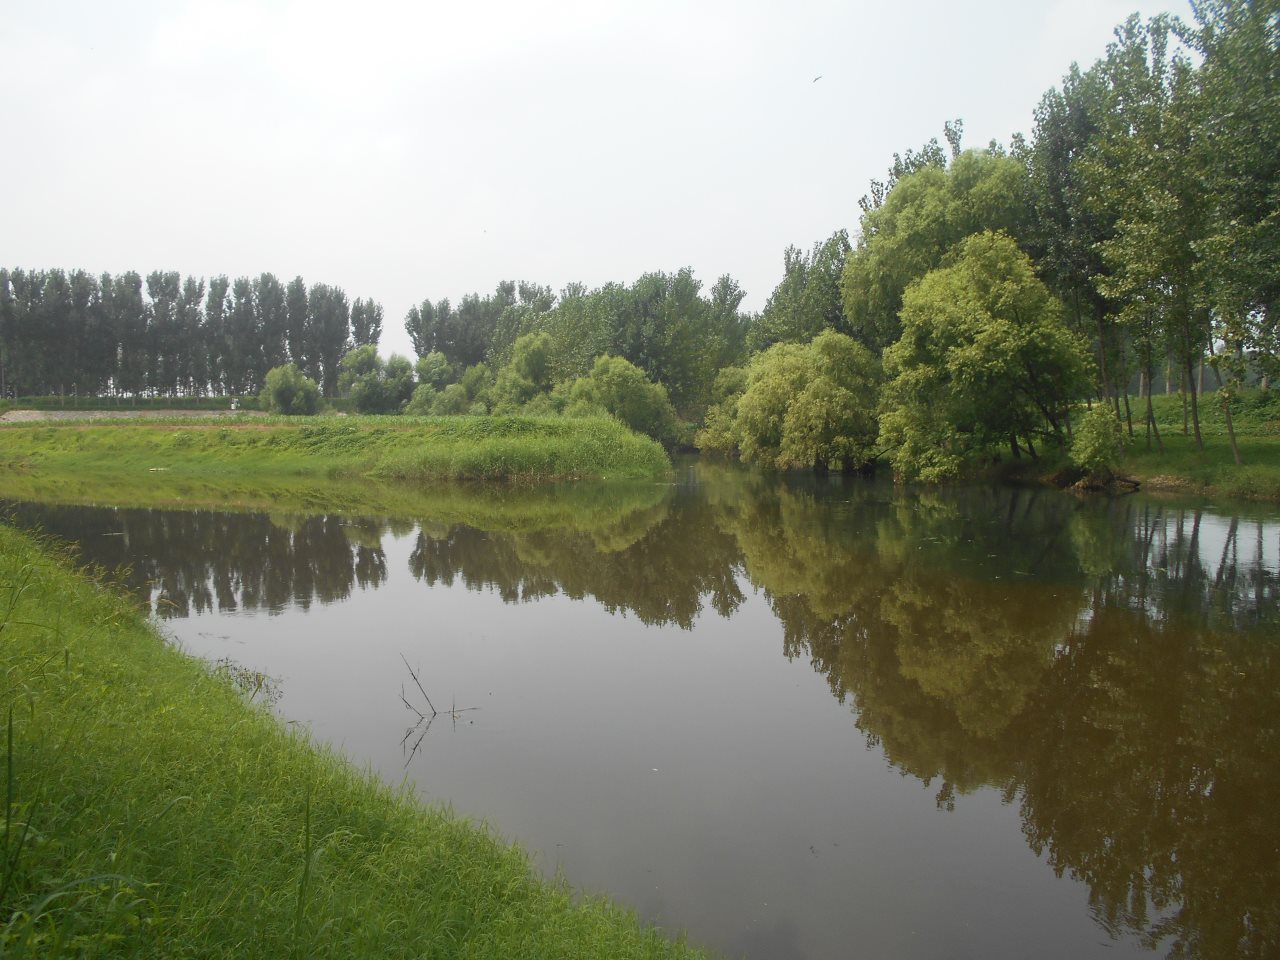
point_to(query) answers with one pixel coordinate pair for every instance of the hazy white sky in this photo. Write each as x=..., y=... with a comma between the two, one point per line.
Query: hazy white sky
x=411, y=150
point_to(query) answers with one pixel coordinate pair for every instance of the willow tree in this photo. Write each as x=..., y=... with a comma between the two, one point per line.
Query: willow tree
x=985, y=359
x=922, y=217
x=801, y=406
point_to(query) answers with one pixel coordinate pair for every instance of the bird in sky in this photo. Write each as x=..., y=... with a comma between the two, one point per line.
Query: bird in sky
x=817, y=78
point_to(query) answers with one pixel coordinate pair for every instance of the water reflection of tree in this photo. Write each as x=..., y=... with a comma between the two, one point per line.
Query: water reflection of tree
x=195, y=561
x=664, y=573
x=1109, y=666
x=1128, y=699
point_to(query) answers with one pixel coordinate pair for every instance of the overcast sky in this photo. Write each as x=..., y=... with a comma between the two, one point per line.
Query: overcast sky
x=412, y=150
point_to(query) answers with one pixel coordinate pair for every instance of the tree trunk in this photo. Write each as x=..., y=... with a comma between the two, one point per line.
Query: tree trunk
x=1031, y=448
x=1182, y=389
x=1102, y=358
x=1152, y=427
x=1231, y=430
x=1013, y=445
x=1195, y=410
x=1128, y=413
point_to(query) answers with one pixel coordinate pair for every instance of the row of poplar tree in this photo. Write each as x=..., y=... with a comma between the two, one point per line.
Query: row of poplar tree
x=71, y=332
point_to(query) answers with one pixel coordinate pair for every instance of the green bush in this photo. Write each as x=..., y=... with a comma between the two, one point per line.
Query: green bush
x=290, y=391
x=374, y=385
x=798, y=406
x=621, y=388
x=1099, y=441
x=434, y=369
x=419, y=405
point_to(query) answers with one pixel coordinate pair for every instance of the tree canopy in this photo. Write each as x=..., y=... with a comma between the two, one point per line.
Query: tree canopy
x=985, y=361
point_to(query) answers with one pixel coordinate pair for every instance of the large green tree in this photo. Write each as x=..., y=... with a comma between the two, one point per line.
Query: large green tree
x=1236, y=109
x=926, y=212
x=241, y=345
x=622, y=390
x=366, y=322
x=330, y=334
x=375, y=385
x=985, y=360
x=1067, y=231
x=272, y=316
x=297, y=323
x=215, y=325
x=1142, y=174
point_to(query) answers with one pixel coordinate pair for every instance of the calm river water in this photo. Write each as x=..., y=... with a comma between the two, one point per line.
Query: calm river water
x=802, y=718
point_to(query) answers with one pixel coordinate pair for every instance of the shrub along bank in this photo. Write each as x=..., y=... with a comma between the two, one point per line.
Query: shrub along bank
x=151, y=811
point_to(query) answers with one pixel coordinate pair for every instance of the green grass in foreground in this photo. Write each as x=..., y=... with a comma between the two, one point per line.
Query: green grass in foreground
x=1256, y=416
x=149, y=811
x=526, y=449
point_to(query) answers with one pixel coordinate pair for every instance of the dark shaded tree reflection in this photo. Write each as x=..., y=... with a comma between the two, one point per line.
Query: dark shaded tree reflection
x=1128, y=699
x=662, y=565
x=179, y=563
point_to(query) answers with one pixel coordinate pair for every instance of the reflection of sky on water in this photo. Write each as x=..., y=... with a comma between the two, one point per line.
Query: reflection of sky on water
x=1249, y=543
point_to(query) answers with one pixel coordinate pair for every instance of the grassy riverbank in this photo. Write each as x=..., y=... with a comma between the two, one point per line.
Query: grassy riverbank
x=151, y=812
x=396, y=449
x=1181, y=466
x=1213, y=470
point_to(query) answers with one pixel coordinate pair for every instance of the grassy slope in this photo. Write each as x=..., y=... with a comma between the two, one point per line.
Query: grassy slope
x=1213, y=470
x=151, y=812
x=399, y=449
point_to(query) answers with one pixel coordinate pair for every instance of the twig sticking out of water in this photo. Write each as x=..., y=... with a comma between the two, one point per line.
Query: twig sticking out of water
x=423, y=723
x=419, y=684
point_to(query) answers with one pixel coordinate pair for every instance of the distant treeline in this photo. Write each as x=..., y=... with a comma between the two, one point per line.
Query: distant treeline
x=663, y=323
x=70, y=332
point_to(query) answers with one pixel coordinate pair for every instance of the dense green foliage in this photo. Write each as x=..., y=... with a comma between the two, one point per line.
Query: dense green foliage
x=922, y=217
x=662, y=324
x=1098, y=443
x=800, y=405
x=807, y=300
x=620, y=389
x=984, y=360
x=289, y=391
x=375, y=385
x=151, y=811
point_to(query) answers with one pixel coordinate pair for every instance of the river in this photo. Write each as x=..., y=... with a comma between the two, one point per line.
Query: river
x=796, y=718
